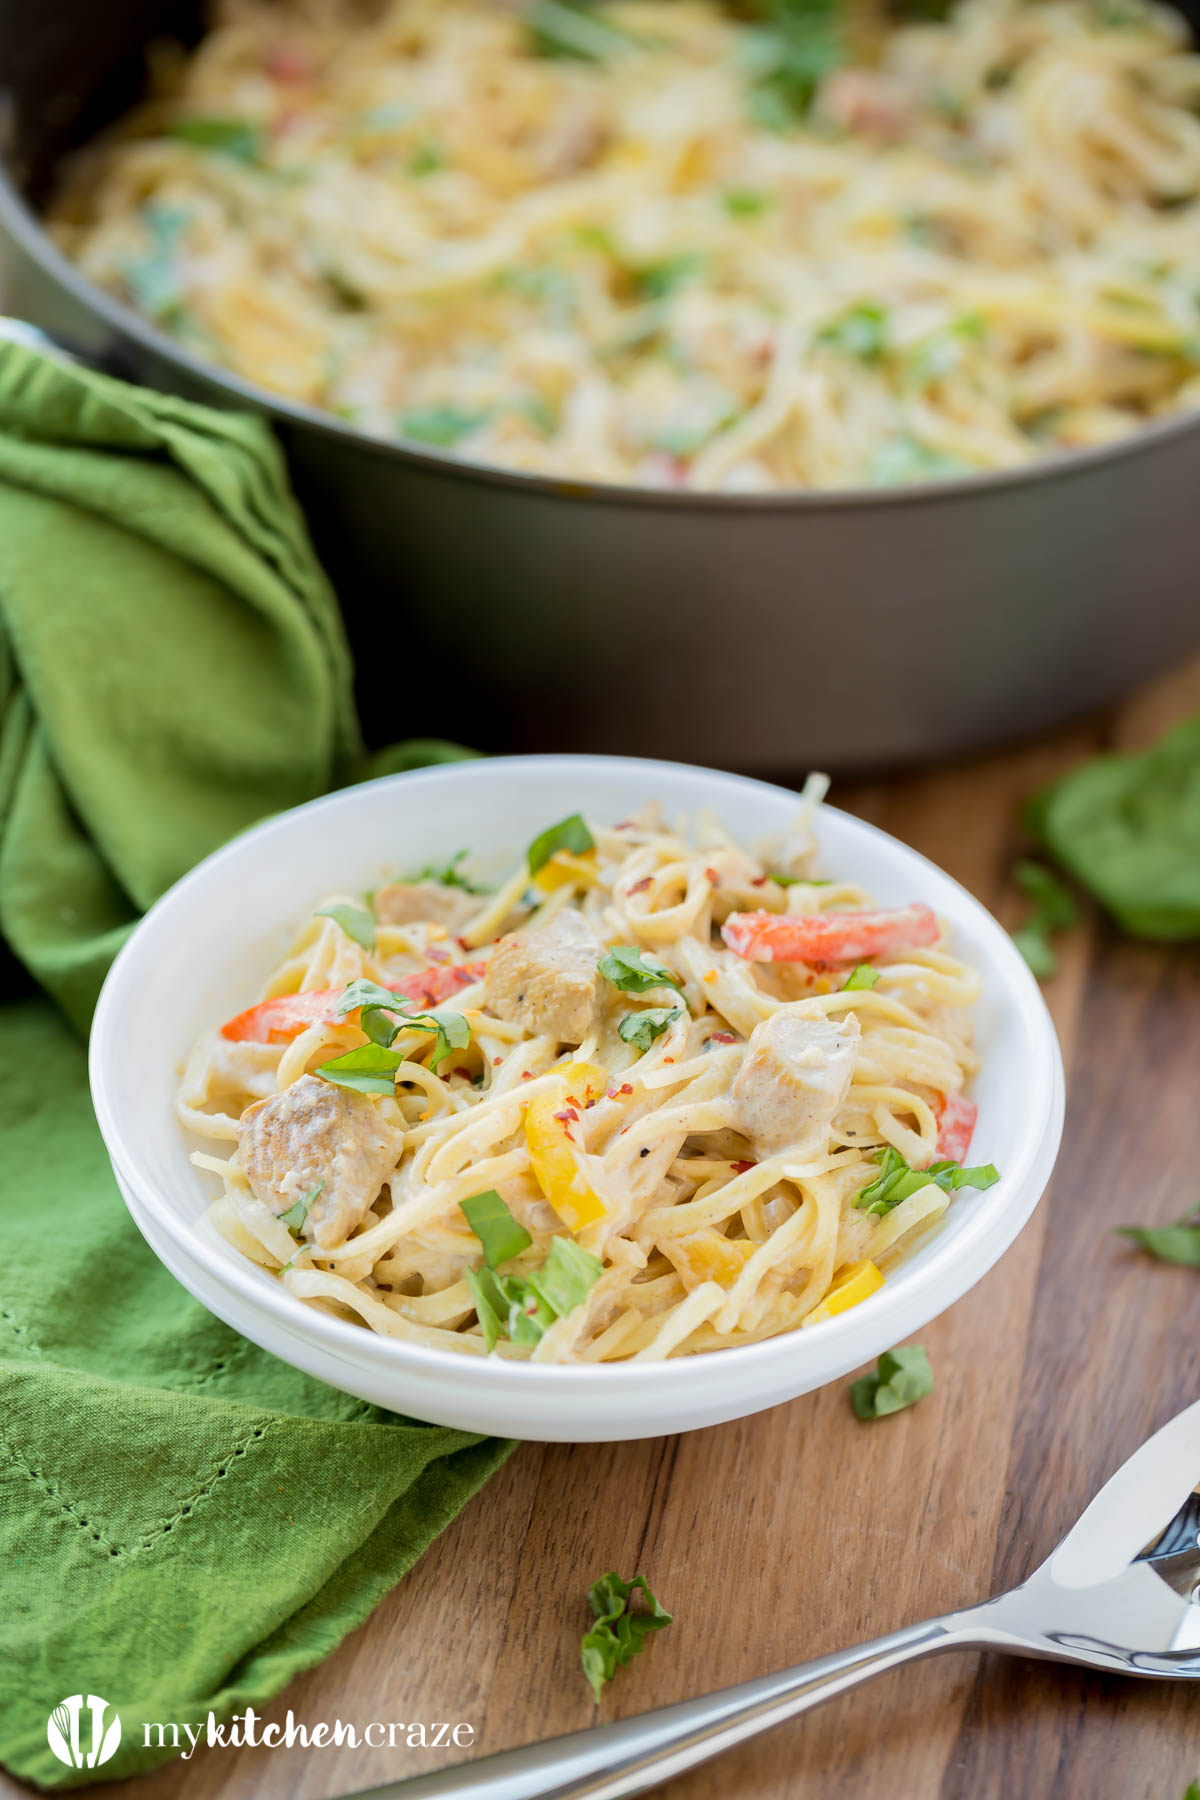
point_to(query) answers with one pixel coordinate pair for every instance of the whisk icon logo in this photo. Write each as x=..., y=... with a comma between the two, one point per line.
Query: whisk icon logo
x=77, y=1733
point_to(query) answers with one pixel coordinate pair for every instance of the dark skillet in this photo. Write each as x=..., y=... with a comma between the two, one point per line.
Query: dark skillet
x=846, y=629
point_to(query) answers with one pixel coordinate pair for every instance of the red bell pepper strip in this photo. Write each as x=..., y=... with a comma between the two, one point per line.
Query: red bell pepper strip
x=829, y=940
x=279, y=1020
x=956, y=1126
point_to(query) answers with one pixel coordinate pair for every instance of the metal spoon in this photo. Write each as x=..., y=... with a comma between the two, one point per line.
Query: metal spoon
x=1117, y=1594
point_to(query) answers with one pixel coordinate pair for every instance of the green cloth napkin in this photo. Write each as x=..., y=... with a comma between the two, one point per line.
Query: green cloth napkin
x=185, y=1522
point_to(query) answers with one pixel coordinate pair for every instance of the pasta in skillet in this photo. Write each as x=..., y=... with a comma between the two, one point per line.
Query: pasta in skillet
x=676, y=243
x=649, y=1097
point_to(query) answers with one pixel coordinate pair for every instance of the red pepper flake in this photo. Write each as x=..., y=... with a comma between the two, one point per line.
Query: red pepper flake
x=625, y=825
x=758, y=881
x=526, y=1074
x=668, y=1059
x=436, y=953
x=462, y=1070
x=713, y=877
x=626, y=1087
x=722, y=1037
x=612, y=1093
x=496, y=1061
x=739, y=1168
x=462, y=943
x=567, y=1116
x=639, y=887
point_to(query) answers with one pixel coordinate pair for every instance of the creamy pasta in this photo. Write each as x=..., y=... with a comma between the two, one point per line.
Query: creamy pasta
x=702, y=251
x=655, y=1094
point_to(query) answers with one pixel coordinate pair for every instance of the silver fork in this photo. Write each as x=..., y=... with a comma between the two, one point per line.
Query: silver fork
x=1117, y=1594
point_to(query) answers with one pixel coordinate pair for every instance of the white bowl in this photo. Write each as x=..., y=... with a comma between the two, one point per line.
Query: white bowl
x=203, y=951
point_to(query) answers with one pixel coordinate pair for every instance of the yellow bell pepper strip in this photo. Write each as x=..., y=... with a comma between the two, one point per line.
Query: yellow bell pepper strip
x=565, y=870
x=707, y=1255
x=855, y=1284
x=553, y=1156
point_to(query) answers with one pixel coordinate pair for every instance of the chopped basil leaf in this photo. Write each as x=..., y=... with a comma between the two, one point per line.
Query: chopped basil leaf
x=567, y=1276
x=782, y=880
x=238, y=138
x=569, y=834
x=490, y=1306
x=525, y=1309
x=798, y=45
x=1177, y=1243
x=618, y=1633
x=502, y=1236
x=295, y=1215
x=635, y=971
x=641, y=1028
x=356, y=923
x=905, y=458
x=904, y=1377
x=745, y=203
x=1056, y=907
x=441, y=426
x=426, y=159
x=863, y=977
x=378, y=1004
x=449, y=875
x=1054, y=910
x=860, y=331
x=371, y=1069
x=153, y=279
x=659, y=280
x=898, y=1180
x=1128, y=829
x=1033, y=941
x=574, y=28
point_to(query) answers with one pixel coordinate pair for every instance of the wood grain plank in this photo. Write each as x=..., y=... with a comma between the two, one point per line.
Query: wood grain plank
x=792, y=1533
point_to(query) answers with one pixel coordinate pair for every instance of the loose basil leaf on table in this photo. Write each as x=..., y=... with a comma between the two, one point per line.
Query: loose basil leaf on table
x=619, y=1632
x=1177, y=1243
x=1128, y=829
x=902, y=1377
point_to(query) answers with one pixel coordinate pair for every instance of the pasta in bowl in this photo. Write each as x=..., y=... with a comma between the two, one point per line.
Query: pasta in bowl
x=651, y=1097
x=659, y=1094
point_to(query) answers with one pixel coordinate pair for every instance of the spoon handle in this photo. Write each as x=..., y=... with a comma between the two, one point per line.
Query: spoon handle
x=609, y=1762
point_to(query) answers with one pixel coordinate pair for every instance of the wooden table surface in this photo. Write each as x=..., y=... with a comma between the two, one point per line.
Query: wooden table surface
x=802, y=1530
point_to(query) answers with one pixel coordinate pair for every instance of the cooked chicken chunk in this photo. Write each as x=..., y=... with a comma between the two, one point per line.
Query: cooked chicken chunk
x=315, y=1133
x=413, y=902
x=795, y=1075
x=546, y=980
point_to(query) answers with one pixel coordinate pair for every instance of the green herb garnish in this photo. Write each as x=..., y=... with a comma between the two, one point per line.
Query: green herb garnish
x=356, y=923
x=447, y=874
x=1128, y=829
x=635, y=971
x=370, y=1069
x=745, y=203
x=295, y=1215
x=862, y=978
x=1177, y=1243
x=898, y=1180
x=904, y=1377
x=659, y=280
x=576, y=29
x=569, y=834
x=378, y=1004
x=502, y=1236
x=860, y=331
x=426, y=159
x=797, y=46
x=641, y=1028
x=238, y=138
x=442, y=426
x=525, y=1309
x=618, y=1633
x=153, y=279
x=1054, y=910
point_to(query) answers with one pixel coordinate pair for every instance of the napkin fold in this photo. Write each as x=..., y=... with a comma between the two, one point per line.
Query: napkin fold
x=185, y=1522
